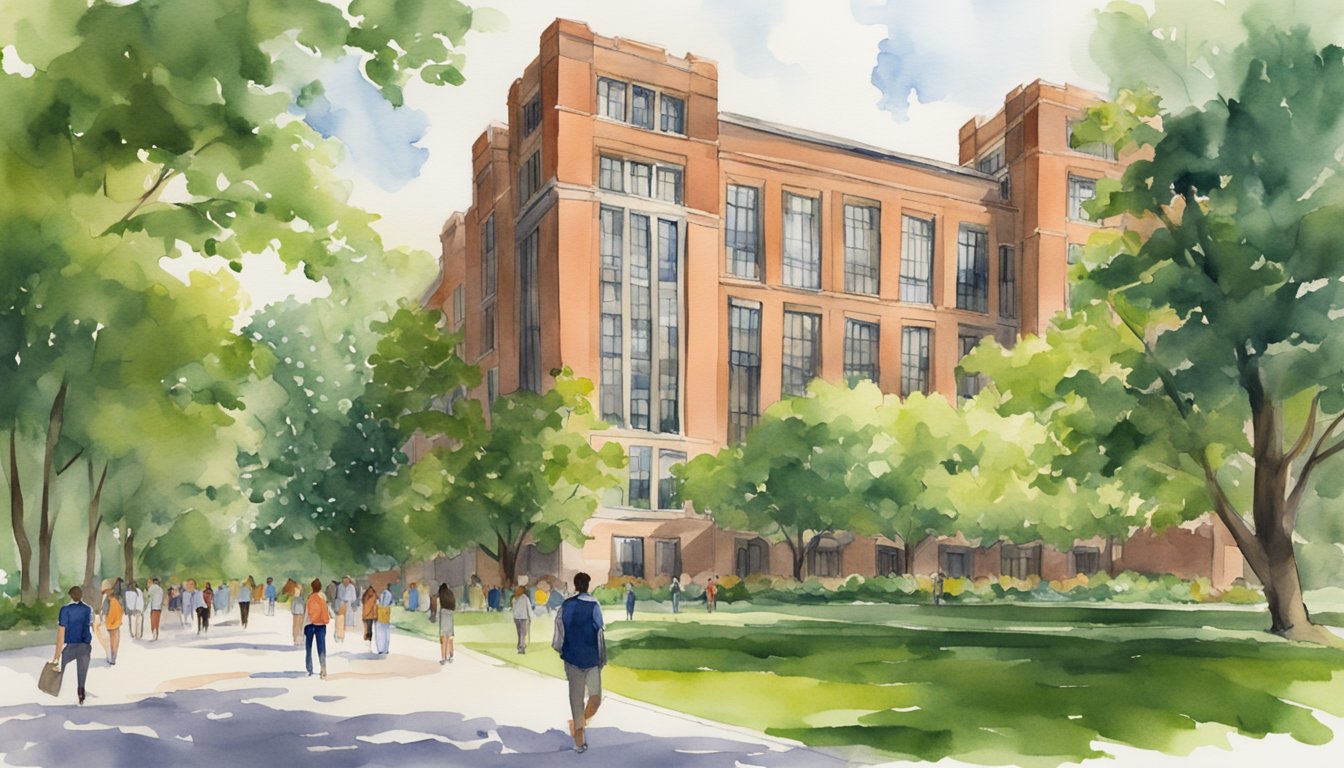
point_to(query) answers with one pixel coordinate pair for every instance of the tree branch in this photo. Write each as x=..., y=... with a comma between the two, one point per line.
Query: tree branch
x=72, y=460
x=165, y=174
x=1308, y=430
x=1236, y=524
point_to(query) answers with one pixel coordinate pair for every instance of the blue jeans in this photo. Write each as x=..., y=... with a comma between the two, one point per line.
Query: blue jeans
x=676, y=602
x=316, y=632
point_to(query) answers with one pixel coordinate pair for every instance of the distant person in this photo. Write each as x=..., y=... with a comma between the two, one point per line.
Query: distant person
x=413, y=598
x=447, y=608
x=629, y=602
x=74, y=637
x=347, y=608
x=245, y=599
x=938, y=584
x=522, y=616
x=134, y=602
x=541, y=597
x=296, y=610
x=155, y=602
x=193, y=606
x=396, y=589
x=208, y=596
x=110, y=615
x=495, y=600
x=555, y=599
x=579, y=640
x=369, y=612
x=382, y=627
x=711, y=594
x=475, y=593
x=223, y=599
x=269, y=595
x=315, y=630
x=675, y=590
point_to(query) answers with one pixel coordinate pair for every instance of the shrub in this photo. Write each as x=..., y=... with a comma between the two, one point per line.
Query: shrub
x=17, y=615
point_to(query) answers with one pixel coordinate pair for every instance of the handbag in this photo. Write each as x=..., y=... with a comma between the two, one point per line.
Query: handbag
x=49, y=682
x=384, y=614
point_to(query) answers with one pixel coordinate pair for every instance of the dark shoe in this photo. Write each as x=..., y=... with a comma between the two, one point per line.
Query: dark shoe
x=81, y=696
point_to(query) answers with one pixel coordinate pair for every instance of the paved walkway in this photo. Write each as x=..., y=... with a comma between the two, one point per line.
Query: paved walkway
x=242, y=697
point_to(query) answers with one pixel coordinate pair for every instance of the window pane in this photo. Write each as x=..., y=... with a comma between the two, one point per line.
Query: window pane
x=802, y=352
x=972, y=269
x=488, y=329
x=641, y=322
x=740, y=232
x=612, y=348
x=641, y=176
x=489, y=259
x=915, y=360
x=629, y=552
x=673, y=114
x=744, y=368
x=641, y=468
x=802, y=242
x=861, y=351
x=669, y=356
x=611, y=174
x=667, y=485
x=991, y=162
x=532, y=115
x=669, y=184
x=611, y=98
x=1007, y=281
x=969, y=385
x=641, y=107
x=529, y=312
x=1080, y=191
x=492, y=386
x=916, y=260
x=862, y=252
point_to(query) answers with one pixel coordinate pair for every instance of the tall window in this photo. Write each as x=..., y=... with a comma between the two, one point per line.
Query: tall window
x=915, y=360
x=667, y=484
x=802, y=352
x=491, y=386
x=673, y=115
x=641, y=469
x=529, y=316
x=667, y=557
x=1080, y=191
x=459, y=307
x=641, y=321
x=488, y=328
x=862, y=252
x=972, y=269
x=861, y=351
x=669, y=325
x=916, y=260
x=802, y=242
x=612, y=349
x=532, y=114
x=641, y=107
x=489, y=259
x=1007, y=281
x=529, y=178
x=611, y=173
x=744, y=367
x=641, y=179
x=629, y=555
x=611, y=98
x=1098, y=148
x=741, y=231
x=970, y=384
x=669, y=184
x=1074, y=255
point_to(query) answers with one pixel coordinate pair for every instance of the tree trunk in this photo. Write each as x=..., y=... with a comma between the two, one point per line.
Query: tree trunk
x=95, y=522
x=911, y=547
x=17, y=522
x=128, y=554
x=508, y=562
x=44, y=532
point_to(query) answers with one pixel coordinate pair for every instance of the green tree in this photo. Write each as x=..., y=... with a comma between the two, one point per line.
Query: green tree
x=532, y=476
x=1213, y=355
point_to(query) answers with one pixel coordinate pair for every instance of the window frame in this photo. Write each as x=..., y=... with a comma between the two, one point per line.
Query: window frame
x=855, y=371
x=910, y=285
x=973, y=268
x=804, y=366
x=1076, y=211
x=734, y=239
x=802, y=270
x=748, y=399
x=863, y=279
x=926, y=370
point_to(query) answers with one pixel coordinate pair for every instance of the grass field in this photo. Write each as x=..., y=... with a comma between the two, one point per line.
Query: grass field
x=997, y=684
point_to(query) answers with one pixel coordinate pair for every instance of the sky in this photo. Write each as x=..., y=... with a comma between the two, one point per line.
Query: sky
x=901, y=74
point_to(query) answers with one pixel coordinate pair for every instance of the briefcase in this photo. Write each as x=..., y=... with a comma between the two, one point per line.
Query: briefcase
x=50, y=680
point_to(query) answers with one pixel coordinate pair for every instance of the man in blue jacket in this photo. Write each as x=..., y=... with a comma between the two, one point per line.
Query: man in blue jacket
x=74, y=637
x=582, y=646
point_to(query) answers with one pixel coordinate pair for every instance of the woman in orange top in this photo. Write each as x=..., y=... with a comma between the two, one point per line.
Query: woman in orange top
x=369, y=612
x=111, y=613
x=319, y=615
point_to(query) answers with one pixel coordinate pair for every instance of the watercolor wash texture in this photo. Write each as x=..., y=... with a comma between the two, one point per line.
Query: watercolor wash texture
x=162, y=417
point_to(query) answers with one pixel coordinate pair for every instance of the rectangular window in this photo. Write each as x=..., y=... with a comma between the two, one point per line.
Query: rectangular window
x=673, y=114
x=611, y=174
x=955, y=562
x=641, y=179
x=667, y=485
x=741, y=232
x=916, y=260
x=1086, y=560
x=489, y=259
x=491, y=386
x=1080, y=191
x=488, y=328
x=641, y=321
x=629, y=555
x=972, y=269
x=890, y=560
x=1007, y=281
x=1020, y=562
x=641, y=471
x=802, y=242
x=611, y=98
x=969, y=385
x=915, y=360
x=669, y=184
x=802, y=352
x=611, y=350
x=641, y=107
x=1097, y=148
x=529, y=178
x=459, y=307
x=667, y=557
x=669, y=327
x=744, y=367
x=532, y=115
x=990, y=163
x=529, y=316
x=862, y=251
x=861, y=351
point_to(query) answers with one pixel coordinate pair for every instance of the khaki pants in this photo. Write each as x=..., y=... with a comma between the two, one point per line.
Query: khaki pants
x=580, y=679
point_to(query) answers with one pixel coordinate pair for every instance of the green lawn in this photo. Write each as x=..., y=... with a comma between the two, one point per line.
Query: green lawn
x=997, y=684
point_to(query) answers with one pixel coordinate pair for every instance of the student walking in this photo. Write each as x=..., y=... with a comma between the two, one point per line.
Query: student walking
x=447, y=608
x=675, y=590
x=629, y=602
x=208, y=597
x=269, y=595
x=347, y=608
x=413, y=598
x=111, y=613
x=382, y=628
x=522, y=616
x=74, y=637
x=581, y=644
x=155, y=607
x=245, y=600
x=134, y=602
x=296, y=609
x=315, y=631
x=711, y=594
x=368, y=610
x=223, y=599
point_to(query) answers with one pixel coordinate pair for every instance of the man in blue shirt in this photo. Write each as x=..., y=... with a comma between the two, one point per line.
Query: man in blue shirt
x=74, y=637
x=269, y=594
x=582, y=646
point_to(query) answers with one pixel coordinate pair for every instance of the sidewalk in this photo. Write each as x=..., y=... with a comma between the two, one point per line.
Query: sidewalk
x=236, y=695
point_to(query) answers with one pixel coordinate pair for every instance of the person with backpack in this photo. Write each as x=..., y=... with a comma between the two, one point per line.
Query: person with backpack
x=582, y=646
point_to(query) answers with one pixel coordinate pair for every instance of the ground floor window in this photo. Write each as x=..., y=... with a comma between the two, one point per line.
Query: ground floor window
x=824, y=559
x=1086, y=560
x=667, y=557
x=752, y=556
x=954, y=562
x=629, y=556
x=1020, y=561
x=890, y=560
